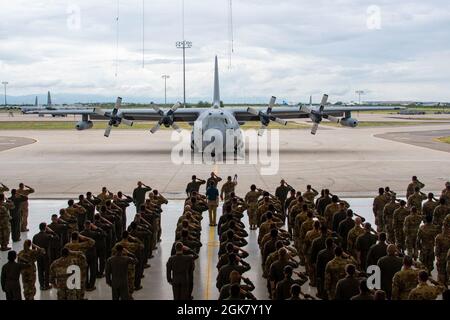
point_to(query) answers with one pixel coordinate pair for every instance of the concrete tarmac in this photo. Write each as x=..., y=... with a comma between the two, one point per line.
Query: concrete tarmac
x=352, y=162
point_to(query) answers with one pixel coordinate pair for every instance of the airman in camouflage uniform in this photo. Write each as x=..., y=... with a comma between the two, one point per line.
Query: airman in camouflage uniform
x=429, y=205
x=404, y=280
x=29, y=256
x=59, y=274
x=379, y=203
x=330, y=210
x=425, y=242
x=80, y=243
x=309, y=265
x=400, y=215
x=310, y=193
x=335, y=271
x=352, y=235
x=412, y=186
x=251, y=199
x=5, y=225
x=442, y=245
x=410, y=229
x=424, y=291
x=227, y=188
x=388, y=217
x=133, y=246
x=416, y=199
x=24, y=191
x=306, y=226
x=440, y=212
x=446, y=192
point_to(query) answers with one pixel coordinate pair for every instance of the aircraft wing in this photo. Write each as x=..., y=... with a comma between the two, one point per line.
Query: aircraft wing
x=294, y=112
x=143, y=114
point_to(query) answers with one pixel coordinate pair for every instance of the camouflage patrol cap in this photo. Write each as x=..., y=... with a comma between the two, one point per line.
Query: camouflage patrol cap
x=447, y=184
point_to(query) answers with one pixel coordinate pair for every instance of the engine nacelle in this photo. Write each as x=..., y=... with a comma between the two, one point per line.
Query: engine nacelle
x=349, y=122
x=84, y=125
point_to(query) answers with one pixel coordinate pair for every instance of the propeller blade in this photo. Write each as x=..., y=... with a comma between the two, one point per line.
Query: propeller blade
x=314, y=128
x=271, y=104
x=108, y=131
x=155, y=127
x=175, y=106
x=155, y=107
x=126, y=122
x=253, y=111
x=331, y=118
x=280, y=121
x=118, y=102
x=176, y=127
x=324, y=100
x=261, y=130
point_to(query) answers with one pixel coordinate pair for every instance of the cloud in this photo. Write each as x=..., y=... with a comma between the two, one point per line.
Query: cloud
x=287, y=48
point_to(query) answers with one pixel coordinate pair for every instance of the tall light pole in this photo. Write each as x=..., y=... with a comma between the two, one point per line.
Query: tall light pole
x=359, y=93
x=5, y=83
x=165, y=77
x=184, y=45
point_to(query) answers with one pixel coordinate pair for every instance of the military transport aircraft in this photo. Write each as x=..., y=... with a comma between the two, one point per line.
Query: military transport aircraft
x=221, y=119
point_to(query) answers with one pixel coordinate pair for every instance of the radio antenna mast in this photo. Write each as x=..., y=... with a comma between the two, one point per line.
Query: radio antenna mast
x=230, y=32
x=117, y=38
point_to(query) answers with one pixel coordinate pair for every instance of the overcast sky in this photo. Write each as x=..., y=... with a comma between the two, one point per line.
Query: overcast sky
x=393, y=50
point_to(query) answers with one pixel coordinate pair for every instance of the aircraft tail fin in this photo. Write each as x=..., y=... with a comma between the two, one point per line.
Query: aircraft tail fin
x=310, y=100
x=49, y=99
x=36, y=101
x=216, y=99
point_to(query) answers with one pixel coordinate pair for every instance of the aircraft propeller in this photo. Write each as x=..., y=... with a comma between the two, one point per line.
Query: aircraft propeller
x=266, y=117
x=114, y=117
x=317, y=115
x=166, y=118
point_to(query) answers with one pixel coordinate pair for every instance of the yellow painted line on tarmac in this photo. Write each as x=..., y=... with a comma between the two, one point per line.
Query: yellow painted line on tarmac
x=211, y=245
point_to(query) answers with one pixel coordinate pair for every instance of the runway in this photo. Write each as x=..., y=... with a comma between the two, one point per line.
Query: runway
x=351, y=162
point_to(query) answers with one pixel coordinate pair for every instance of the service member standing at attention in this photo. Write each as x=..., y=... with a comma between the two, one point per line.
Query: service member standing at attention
x=29, y=256
x=228, y=187
x=5, y=228
x=251, y=199
x=412, y=186
x=139, y=194
x=281, y=192
x=24, y=191
x=424, y=291
x=212, y=194
x=117, y=274
x=180, y=271
x=215, y=179
x=194, y=185
x=10, y=277
x=15, y=213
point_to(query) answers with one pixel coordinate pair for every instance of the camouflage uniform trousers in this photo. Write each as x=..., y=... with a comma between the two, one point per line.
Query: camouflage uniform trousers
x=131, y=273
x=68, y=294
x=442, y=268
x=5, y=231
x=29, y=284
x=410, y=243
x=427, y=258
x=24, y=216
x=252, y=215
x=390, y=231
x=379, y=222
x=400, y=239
